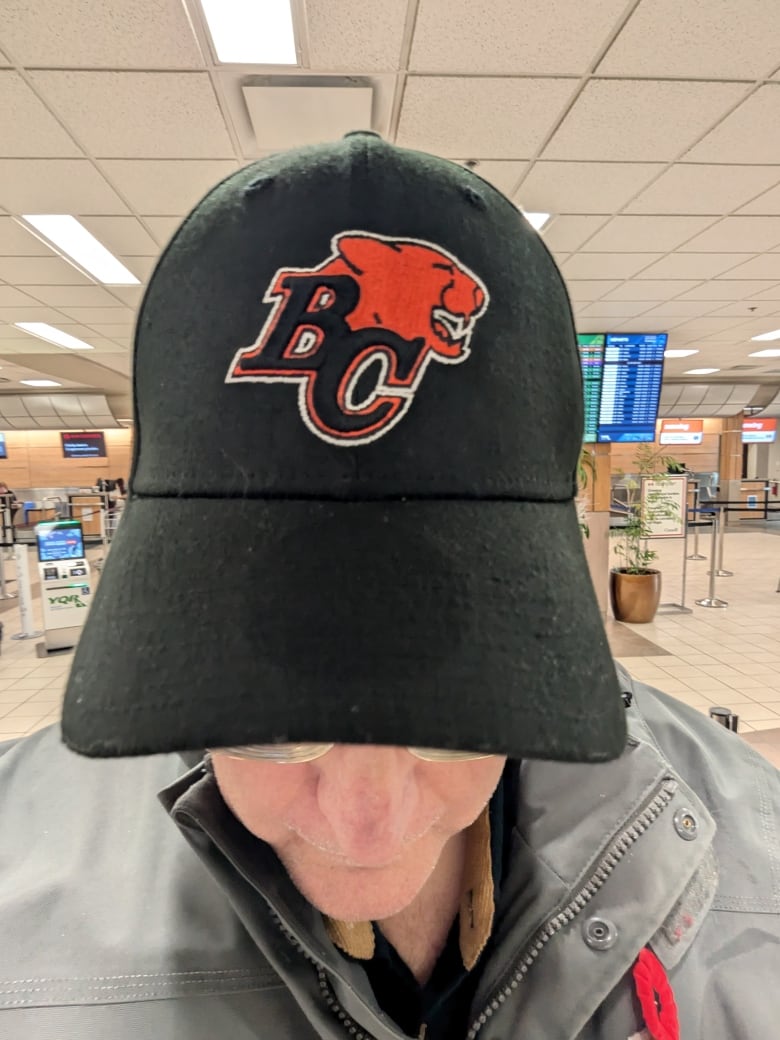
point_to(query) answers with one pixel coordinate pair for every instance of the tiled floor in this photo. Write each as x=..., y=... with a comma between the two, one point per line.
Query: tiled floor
x=711, y=657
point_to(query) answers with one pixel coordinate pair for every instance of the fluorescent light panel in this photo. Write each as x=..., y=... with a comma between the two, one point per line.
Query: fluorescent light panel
x=251, y=32
x=701, y=371
x=39, y=382
x=537, y=220
x=766, y=353
x=679, y=353
x=74, y=243
x=766, y=336
x=52, y=335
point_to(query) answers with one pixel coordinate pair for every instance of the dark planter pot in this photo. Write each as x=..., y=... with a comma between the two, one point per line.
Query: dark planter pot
x=634, y=597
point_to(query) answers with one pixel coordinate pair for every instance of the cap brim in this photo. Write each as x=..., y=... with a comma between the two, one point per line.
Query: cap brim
x=451, y=624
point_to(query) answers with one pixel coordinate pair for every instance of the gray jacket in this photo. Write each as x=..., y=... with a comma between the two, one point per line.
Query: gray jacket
x=112, y=927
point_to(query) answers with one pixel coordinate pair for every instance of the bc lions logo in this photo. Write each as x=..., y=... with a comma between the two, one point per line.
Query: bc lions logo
x=357, y=332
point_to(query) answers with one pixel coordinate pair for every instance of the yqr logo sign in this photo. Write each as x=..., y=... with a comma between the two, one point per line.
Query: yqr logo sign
x=357, y=332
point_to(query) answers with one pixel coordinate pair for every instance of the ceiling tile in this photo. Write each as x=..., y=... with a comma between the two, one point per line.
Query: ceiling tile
x=502, y=174
x=55, y=186
x=607, y=265
x=567, y=232
x=659, y=234
x=770, y=293
x=28, y=312
x=139, y=114
x=72, y=295
x=682, y=309
x=583, y=187
x=355, y=35
x=111, y=34
x=585, y=290
x=640, y=324
x=165, y=187
x=639, y=120
x=140, y=266
x=27, y=128
x=163, y=228
x=12, y=297
x=700, y=328
x=18, y=241
x=40, y=270
x=743, y=136
x=767, y=204
x=747, y=309
x=698, y=38
x=131, y=295
x=100, y=315
x=123, y=236
x=119, y=333
x=641, y=289
x=292, y=115
x=766, y=266
x=625, y=309
x=694, y=265
x=737, y=234
x=556, y=37
x=500, y=118
x=704, y=188
x=726, y=289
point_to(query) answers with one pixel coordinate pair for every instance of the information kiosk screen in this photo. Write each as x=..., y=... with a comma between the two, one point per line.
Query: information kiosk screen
x=60, y=540
x=591, y=363
x=631, y=386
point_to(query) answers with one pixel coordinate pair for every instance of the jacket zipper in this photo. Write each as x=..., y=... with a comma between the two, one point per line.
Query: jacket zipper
x=606, y=866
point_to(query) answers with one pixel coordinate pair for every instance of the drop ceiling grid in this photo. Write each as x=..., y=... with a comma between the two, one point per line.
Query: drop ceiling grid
x=463, y=98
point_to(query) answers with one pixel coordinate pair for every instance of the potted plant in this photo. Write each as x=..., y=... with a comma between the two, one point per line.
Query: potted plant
x=635, y=586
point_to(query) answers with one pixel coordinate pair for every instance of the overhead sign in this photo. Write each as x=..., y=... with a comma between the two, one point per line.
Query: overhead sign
x=681, y=431
x=759, y=431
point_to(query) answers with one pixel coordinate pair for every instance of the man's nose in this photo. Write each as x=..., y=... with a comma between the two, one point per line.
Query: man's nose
x=369, y=796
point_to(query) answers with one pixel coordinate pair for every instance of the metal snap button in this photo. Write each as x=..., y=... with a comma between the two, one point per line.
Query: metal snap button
x=686, y=824
x=599, y=933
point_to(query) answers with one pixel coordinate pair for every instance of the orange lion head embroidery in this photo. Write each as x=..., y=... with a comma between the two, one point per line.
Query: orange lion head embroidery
x=357, y=332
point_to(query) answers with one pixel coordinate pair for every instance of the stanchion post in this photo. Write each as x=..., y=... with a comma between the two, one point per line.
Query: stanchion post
x=712, y=600
x=695, y=555
x=721, y=538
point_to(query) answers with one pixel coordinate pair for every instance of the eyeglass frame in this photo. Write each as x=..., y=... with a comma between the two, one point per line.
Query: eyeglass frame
x=298, y=754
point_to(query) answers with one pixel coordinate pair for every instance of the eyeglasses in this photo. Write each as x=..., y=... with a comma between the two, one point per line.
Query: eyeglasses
x=294, y=754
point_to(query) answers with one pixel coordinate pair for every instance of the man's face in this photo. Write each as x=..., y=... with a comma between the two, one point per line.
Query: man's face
x=361, y=829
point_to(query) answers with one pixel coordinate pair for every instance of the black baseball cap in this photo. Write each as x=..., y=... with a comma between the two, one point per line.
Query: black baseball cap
x=358, y=415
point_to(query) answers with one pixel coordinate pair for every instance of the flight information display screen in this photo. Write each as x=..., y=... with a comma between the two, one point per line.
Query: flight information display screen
x=591, y=363
x=631, y=386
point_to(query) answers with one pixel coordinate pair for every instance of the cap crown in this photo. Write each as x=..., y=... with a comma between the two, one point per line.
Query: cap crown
x=356, y=321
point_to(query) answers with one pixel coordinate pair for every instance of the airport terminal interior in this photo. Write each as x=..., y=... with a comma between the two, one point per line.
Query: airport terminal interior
x=640, y=138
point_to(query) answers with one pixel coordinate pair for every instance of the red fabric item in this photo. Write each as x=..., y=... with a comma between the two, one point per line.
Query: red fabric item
x=656, y=997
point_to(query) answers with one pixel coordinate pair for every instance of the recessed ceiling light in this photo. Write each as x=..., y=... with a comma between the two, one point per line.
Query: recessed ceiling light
x=679, y=353
x=701, y=371
x=536, y=220
x=52, y=335
x=774, y=352
x=766, y=336
x=245, y=32
x=75, y=244
x=39, y=382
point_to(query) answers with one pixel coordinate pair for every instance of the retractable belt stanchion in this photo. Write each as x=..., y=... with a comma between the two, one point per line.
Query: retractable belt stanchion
x=720, y=573
x=712, y=600
x=8, y=539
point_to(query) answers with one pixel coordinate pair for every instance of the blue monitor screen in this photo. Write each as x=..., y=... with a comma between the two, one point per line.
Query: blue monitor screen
x=631, y=386
x=3, y=449
x=62, y=540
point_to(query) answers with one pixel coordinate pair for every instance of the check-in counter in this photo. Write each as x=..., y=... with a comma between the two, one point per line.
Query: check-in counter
x=753, y=494
x=86, y=508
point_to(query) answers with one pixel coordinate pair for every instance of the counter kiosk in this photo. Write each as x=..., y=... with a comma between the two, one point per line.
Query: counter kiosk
x=66, y=591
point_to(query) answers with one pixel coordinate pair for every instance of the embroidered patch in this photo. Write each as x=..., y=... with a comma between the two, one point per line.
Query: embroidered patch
x=357, y=332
